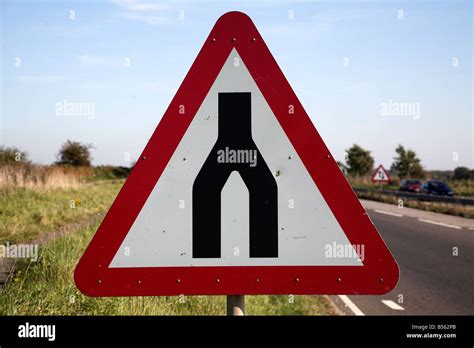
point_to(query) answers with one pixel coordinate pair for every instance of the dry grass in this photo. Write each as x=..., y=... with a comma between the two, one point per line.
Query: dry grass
x=464, y=188
x=366, y=182
x=42, y=177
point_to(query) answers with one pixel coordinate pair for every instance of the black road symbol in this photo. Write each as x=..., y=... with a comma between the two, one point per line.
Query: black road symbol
x=235, y=132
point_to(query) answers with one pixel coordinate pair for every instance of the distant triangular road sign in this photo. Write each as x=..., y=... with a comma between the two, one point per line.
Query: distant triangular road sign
x=236, y=193
x=381, y=175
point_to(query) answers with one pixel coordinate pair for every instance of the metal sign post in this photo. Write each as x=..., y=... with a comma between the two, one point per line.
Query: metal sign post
x=235, y=305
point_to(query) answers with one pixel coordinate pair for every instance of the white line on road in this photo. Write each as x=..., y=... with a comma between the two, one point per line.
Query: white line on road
x=440, y=224
x=388, y=213
x=471, y=228
x=393, y=305
x=347, y=301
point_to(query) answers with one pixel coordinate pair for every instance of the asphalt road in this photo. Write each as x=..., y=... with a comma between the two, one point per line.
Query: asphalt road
x=432, y=279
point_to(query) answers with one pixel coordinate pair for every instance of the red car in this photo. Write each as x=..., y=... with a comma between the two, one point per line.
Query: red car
x=410, y=185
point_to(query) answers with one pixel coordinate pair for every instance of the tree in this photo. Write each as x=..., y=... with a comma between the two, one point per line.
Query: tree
x=359, y=161
x=461, y=173
x=407, y=164
x=75, y=153
x=12, y=156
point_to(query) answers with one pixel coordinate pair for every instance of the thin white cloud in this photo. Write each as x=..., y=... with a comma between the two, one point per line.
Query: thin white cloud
x=90, y=60
x=147, y=12
x=319, y=24
x=91, y=85
x=145, y=18
x=140, y=6
x=71, y=31
x=40, y=78
x=156, y=87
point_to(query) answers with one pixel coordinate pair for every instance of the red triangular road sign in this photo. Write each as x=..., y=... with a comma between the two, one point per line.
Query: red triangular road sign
x=381, y=175
x=307, y=233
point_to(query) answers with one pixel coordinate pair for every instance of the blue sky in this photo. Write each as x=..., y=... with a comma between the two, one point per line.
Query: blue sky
x=344, y=59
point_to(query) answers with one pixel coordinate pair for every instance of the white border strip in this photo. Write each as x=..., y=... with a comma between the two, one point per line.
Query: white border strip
x=439, y=223
x=347, y=301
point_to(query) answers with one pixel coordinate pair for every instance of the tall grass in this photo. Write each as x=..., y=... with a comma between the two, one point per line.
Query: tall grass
x=42, y=177
x=463, y=188
x=366, y=182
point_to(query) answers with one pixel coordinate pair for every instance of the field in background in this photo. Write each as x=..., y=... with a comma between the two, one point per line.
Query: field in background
x=27, y=213
x=42, y=177
x=38, y=201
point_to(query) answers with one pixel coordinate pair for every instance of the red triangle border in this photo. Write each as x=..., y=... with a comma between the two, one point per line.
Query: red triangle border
x=380, y=272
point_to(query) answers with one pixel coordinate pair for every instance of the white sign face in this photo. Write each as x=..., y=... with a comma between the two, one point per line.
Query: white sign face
x=380, y=175
x=306, y=229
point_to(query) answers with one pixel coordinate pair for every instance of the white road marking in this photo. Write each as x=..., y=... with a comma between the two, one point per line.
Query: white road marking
x=388, y=213
x=393, y=305
x=347, y=301
x=471, y=228
x=440, y=224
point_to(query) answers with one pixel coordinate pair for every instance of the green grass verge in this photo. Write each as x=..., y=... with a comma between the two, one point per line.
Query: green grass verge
x=46, y=287
x=26, y=214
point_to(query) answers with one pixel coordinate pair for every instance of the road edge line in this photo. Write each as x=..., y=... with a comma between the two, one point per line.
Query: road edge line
x=439, y=223
x=393, y=305
x=387, y=213
x=352, y=306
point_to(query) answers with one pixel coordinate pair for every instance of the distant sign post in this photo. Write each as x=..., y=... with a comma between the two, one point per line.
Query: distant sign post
x=381, y=175
x=236, y=193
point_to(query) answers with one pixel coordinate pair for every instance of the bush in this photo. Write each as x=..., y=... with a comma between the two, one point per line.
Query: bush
x=110, y=172
x=461, y=173
x=12, y=156
x=75, y=154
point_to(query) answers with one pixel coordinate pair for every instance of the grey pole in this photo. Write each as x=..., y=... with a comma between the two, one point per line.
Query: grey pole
x=235, y=305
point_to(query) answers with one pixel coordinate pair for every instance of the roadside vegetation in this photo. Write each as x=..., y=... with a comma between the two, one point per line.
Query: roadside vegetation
x=461, y=188
x=46, y=287
x=27, y=214
x=359, y=167
x=37, y=201
x=436, y=207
